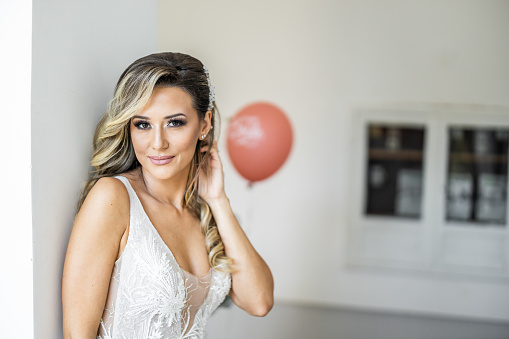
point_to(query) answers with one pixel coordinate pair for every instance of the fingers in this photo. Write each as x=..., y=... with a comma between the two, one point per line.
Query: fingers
x=204, y=148
x=214, y=146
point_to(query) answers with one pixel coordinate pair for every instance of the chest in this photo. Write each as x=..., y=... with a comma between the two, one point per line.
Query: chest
x=181, y=233
x=155, y=296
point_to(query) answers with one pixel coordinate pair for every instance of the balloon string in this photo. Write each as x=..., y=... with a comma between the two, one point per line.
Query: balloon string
x=249, y=209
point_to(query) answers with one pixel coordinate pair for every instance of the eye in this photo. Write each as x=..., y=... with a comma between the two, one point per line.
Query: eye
x=142, y=125
x=176, y=123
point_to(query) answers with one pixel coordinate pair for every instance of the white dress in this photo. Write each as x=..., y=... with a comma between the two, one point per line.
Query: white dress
x=150, y=296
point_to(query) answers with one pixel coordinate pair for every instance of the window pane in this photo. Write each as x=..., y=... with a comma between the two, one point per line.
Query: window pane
x=477, y=175
x=395, y=167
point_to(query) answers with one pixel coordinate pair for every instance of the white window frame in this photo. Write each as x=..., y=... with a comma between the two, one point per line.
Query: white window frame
x=429, y=244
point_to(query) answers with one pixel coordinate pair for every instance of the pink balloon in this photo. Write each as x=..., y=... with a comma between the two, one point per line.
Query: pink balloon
x=259, y=140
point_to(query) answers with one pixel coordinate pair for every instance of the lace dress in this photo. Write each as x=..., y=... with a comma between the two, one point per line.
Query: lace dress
x=150, y=296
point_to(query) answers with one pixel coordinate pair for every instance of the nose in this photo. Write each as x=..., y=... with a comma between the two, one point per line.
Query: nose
x=159, y=139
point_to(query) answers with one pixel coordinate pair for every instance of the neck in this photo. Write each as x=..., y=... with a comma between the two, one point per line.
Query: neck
x=169, y=191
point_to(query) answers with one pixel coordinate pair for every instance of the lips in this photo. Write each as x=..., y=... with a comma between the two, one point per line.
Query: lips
x=156, y=160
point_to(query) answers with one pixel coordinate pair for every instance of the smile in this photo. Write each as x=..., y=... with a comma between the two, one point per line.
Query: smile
x=161, y=160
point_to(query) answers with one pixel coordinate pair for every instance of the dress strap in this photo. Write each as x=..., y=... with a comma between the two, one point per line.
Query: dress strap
x=135, y=204
x=127, y=185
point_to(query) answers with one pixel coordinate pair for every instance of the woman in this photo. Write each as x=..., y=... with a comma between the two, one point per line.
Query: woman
x=155, y=246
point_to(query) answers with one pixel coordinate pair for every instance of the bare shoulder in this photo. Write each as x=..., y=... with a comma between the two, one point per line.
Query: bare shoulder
x=109, y=189
x=93, y=248
x=107, y=204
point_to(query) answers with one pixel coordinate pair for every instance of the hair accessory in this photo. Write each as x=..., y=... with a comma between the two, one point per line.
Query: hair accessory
x=212, y=94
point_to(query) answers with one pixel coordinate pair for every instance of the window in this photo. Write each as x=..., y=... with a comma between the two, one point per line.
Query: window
x=429, y=190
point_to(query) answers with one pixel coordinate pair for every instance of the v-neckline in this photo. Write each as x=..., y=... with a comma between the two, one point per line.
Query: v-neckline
x=158, y=236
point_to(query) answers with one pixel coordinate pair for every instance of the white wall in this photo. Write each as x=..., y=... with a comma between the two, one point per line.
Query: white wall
x=317, y=60
x=80, y=49
x=16, y=313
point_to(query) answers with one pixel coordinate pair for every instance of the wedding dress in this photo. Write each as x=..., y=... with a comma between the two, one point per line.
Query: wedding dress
x=150, y=296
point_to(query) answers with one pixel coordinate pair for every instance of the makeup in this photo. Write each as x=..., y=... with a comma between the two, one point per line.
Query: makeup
x=161, y=160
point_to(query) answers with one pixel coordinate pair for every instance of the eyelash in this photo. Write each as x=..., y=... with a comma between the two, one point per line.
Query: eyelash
x=138, y=125
x=176, y=122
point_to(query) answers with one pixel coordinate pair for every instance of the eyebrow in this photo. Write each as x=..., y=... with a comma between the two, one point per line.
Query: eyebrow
x=166, y=117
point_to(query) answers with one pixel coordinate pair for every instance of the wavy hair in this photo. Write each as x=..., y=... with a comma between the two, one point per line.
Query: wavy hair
x=113, y=150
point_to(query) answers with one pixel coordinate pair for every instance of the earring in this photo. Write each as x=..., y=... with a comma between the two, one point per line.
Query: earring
x=203, y=136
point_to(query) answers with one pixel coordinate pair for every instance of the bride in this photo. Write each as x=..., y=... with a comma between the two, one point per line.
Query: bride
x=155, y=246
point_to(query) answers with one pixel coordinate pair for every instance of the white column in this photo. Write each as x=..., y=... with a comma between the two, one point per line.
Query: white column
x=16, y=287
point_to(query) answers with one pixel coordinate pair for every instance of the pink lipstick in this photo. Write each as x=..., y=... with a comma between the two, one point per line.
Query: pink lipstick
x=161, y=160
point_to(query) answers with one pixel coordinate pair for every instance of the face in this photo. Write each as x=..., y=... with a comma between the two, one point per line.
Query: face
x=164, y=134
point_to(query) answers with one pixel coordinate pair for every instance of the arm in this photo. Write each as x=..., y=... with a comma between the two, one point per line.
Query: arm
x=91, y=253
x=252, y=282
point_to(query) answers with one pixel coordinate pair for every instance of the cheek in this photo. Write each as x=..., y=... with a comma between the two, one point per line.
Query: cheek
x=138, y=142
x=141, y=145
x=187, y=145
x=187, y=140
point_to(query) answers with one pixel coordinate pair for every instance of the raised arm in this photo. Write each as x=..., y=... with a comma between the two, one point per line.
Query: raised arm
x=252, y=282
x=93, y=248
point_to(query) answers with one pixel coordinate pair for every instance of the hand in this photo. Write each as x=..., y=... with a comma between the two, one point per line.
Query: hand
x=212, y=182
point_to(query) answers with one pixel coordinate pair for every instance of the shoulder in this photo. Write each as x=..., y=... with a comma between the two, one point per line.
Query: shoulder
x=109, y=187
x=107, y=204
x=93, y=247
x=108, y=190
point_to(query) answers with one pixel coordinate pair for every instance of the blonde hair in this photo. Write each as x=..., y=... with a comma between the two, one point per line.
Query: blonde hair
x=113, y=150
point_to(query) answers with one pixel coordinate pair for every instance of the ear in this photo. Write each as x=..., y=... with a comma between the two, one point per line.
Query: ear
x=206, y=123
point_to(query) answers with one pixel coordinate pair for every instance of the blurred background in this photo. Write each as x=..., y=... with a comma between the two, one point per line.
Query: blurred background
x=388, y=219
